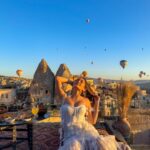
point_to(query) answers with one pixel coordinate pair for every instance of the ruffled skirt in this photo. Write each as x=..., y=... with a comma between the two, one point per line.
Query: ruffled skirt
x=84, y=136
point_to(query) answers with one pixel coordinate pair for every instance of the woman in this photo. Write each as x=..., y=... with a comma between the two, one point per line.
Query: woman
x=78, y=133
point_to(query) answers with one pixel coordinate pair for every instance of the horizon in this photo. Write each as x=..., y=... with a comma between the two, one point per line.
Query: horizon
x=58, y=31
x=90, y=77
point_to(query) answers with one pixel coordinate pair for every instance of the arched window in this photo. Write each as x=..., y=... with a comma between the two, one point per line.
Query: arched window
x=6, y=95
x=46, y=91
x=2, y=96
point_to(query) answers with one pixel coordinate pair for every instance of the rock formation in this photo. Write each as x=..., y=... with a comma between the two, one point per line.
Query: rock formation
x=63, y=71
x=42, y=86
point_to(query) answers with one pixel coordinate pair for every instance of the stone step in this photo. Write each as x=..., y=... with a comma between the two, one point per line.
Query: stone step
x=140, y=147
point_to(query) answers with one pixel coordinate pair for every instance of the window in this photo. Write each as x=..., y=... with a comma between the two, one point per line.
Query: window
x=6, y=95
x=46, y=91
x=108, y=105
x=2, y=96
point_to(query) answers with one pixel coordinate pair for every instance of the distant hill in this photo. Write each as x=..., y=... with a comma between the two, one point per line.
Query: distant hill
x=14, y=77
x=141, y=81
x=13, y=82
x=145, y=86
x=96, y=80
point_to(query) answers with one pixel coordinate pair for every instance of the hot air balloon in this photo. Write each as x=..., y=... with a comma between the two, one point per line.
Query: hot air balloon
x=141, y=72
x=88, y=20
x=123, y=63
x=19, y=72
x=140, y=75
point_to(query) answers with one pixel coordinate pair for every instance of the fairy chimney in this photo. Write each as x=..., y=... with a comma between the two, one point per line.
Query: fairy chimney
x=63, y=71
x=42, y=86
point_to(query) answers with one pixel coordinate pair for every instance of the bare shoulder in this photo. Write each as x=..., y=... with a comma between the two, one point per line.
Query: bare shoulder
x=68, y=100
x=87, y=103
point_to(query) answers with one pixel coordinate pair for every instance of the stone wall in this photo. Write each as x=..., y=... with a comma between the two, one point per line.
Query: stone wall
x=140, y=124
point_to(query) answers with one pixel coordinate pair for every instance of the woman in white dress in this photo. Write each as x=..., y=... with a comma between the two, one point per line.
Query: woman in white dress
x=78, y=132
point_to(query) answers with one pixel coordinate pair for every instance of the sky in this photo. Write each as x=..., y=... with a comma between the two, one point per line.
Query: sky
x=57, y=31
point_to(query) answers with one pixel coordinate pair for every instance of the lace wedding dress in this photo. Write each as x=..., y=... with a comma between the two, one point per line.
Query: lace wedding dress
x=78, y=134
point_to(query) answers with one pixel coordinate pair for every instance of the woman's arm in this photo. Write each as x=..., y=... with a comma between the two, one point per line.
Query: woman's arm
x=59, y=82
x=93, y=115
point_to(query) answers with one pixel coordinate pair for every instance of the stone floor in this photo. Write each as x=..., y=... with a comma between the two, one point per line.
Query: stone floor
x=46, y=137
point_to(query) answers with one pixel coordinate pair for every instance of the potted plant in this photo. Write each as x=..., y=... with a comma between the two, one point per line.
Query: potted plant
x=125, y=92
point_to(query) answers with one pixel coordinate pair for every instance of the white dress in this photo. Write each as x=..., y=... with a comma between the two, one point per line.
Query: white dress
x=78, y=134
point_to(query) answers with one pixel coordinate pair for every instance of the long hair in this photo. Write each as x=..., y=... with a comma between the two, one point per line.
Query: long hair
x=90, y=92
x=91, y=88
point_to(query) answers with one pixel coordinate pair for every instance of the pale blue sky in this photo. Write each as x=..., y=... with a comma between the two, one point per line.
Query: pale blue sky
x=57, y=31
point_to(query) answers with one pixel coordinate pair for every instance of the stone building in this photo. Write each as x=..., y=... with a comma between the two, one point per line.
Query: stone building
x=109, y=106
x=140, y=100
x=112, y=85
x=42, y=86
x=90, y=81
x=7, y=96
